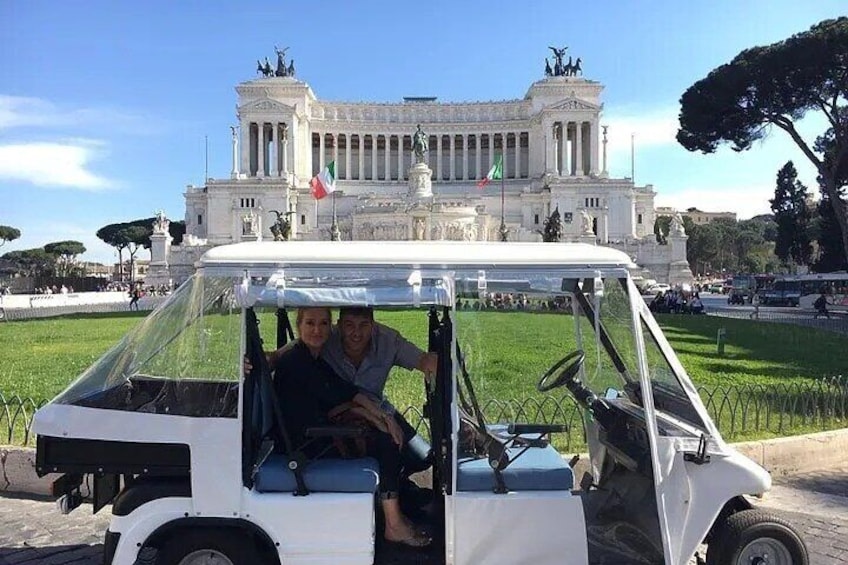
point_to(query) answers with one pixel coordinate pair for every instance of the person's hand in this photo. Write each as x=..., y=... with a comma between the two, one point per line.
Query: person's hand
x=247, y=367
x=393, y=429
x=429, y=364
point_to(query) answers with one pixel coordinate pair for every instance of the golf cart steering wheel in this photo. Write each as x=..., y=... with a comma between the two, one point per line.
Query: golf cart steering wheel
x=574, y=360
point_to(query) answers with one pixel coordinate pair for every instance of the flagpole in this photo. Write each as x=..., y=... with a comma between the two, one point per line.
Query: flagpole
x=503, y=230
x=335, y=235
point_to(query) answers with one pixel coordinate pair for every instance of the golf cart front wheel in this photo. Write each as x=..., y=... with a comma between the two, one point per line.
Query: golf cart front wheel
x=754, y=537
x=208, y=547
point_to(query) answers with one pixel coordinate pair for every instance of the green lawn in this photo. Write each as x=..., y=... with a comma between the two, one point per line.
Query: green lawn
x=506, y=354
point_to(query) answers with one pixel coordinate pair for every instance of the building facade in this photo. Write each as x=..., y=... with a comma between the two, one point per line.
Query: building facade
x=698, y=217
x=551, y=144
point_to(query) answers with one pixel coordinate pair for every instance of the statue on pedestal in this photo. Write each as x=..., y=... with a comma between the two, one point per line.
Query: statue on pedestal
x=248, y=224
x=419, y=145
x=160, y=223
x=676, y=226
x=418, y=228
x=281, y=228
x=587, y=223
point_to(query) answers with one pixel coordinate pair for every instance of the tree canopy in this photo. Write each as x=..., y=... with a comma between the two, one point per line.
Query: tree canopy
x=776, y=85
x=8, y=233
x=553, y=227
x=32, y=262
x=793, y=217
x=66, y=253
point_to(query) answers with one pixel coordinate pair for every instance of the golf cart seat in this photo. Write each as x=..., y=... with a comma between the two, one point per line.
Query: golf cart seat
x=537, y=469
x=320, y=475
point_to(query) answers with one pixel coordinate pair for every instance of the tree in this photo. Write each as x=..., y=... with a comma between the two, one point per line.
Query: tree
x=137, y=236
x=777, y=85
x=794, y=243
x=112, y=235
x=66, y=253
x=8, y=233
x=553, y=227
x=31, y=262
x=830, y=256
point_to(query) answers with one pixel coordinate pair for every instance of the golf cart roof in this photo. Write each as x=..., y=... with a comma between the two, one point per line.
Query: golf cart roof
x=414, y=254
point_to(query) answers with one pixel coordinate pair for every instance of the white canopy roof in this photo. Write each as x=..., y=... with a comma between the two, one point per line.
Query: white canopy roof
x=414, y=254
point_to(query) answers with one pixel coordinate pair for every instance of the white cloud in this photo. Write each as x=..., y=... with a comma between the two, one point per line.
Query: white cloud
x=24, y=111
x=61, y=164
x=649, y=128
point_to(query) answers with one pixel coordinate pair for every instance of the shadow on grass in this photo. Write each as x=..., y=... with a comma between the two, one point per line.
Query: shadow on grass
x=93, y=316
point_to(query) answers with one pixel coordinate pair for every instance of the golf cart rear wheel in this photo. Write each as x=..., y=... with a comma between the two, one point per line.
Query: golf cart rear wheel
x=754, y=537
x=209, y=547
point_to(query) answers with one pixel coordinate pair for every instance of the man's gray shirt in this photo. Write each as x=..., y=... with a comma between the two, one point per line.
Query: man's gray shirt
x=387, y=349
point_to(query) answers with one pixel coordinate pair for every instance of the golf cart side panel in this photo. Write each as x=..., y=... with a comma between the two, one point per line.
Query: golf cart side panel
x=318, y=528
x=709, y=487
x=215, y=464
x=539, y=527
x=137, y=527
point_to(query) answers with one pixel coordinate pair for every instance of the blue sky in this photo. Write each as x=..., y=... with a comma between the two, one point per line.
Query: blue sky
x=104, y=105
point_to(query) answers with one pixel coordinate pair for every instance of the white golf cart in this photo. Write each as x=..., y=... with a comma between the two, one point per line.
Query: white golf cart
x=182, y=443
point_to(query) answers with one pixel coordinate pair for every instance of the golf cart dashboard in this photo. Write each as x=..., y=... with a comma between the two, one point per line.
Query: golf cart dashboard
x=154, y=395
x=623, y=431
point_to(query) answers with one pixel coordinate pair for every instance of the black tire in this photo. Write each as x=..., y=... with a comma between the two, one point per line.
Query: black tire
x=234, y=545
x=745, y=534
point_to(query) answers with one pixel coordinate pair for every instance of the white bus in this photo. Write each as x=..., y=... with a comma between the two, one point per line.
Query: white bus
x=833, y=285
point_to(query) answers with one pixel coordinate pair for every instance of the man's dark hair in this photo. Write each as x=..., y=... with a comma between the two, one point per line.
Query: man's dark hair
x=360, y=311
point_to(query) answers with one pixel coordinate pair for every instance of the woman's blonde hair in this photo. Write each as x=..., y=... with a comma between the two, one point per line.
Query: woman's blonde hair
x=300, y=312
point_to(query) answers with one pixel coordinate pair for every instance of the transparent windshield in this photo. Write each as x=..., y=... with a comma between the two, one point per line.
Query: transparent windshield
x=192, y=343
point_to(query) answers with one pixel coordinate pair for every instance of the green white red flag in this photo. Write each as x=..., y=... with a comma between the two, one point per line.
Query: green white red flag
x=495, y=173
x=324, y=182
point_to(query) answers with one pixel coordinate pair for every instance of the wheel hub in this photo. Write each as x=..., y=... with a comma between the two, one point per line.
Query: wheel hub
x=205, y=557
x=765, y=551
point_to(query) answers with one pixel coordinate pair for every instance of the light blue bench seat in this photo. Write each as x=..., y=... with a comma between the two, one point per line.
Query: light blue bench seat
x=538, y=468
x=320, y=475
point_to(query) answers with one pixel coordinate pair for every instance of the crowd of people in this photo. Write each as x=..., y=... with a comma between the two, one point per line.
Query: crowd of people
x=518, y=301
x=677, y=302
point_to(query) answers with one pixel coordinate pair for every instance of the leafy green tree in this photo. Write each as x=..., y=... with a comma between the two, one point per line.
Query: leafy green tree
x=8, y=233
x=794, y=242
x=112, y=234
x=553, y=227
x=31, y=262
x=137, y=237
x=66, y=253
x=830, y=256
x=777, y=85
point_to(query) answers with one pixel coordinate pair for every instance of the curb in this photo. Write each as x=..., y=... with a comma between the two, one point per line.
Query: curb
x=780, y=456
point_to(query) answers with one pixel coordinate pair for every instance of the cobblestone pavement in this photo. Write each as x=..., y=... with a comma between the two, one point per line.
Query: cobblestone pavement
x=33, y=532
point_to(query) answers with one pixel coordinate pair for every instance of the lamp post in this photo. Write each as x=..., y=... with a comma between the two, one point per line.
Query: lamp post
x=335, y=234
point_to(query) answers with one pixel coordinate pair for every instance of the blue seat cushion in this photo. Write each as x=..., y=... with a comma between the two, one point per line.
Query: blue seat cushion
x=538, y=468
x=320, y=475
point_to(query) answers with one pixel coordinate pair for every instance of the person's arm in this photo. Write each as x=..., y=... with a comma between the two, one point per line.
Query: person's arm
x=410, y=356
x=380, y=418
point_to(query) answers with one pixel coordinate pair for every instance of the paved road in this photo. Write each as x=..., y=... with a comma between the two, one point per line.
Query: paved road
x=33, y=532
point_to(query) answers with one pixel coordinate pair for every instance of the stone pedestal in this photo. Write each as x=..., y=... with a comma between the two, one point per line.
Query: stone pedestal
x=160, y=249
x=420, y=181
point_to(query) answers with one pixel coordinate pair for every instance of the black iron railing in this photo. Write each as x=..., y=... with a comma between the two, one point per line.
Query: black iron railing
x=746, y=411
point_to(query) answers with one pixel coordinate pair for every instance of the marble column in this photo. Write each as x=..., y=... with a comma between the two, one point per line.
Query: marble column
x=348, y=155
x=465, y=156
x=578, y=149
x=439, y=163
x=593, y=149
x=503, y=155
x=387, y=157
x=360, y=174
x=262, y=152
x=477, y=160
x=547, y=135
x=555, y=148
x=321, y=150
x=452, y=156
x=336, y=152
x=273, y=152
x=284, y=140
x=373, y=157
x=517, y=169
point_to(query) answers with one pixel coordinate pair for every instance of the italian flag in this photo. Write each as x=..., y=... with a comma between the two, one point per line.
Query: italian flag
x=324, y=182
x=495, y=173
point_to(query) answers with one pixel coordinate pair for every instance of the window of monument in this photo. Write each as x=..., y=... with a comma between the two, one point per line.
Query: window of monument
x=639, y=219
x=535, y=218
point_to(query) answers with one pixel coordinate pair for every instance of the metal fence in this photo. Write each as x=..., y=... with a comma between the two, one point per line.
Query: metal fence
x=837, y=322
x=741, y=412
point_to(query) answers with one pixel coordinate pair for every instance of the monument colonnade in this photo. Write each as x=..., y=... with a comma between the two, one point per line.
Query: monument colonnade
x=571, y=149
